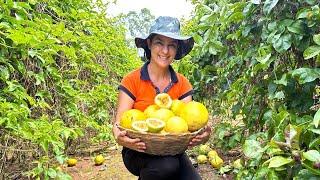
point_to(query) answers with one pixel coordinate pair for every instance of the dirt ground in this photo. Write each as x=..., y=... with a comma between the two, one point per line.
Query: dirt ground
x=114, y=169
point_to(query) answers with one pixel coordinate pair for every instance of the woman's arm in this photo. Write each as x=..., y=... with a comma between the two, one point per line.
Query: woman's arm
x=187, y=99
x=125, y=103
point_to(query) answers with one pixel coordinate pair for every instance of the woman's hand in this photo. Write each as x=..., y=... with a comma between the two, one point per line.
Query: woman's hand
x=201, y=138
x=122, y=139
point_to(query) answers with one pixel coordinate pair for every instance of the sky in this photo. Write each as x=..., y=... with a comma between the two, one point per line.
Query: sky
x=176, y=8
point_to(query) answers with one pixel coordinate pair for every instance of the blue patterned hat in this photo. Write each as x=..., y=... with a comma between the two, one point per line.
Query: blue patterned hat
x=169, y=27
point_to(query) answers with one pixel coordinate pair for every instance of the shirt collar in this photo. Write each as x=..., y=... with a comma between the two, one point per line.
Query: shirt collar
x=145, y=75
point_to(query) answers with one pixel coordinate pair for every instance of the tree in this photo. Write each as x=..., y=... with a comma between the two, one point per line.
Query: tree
x=137, y=24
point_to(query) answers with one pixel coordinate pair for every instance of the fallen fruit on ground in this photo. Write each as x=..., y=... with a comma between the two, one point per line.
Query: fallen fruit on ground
x=163, y=114
x=129, y=116
x=151, y=110
x=237, y=164
x=176, y=125
x=204, y=149
x=163, y=100
x=212, y=153
x=140, y=126
x=177, y=106
x=98, y=160
x=71, y=162
x=155, y=125
x=195, y=114
x=216, y=162
x=201, y=159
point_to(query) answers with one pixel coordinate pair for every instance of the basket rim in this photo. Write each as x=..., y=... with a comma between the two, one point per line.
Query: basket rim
x=158, y=134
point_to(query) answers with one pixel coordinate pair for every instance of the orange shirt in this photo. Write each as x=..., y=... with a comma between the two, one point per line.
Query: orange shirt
x=139, y=87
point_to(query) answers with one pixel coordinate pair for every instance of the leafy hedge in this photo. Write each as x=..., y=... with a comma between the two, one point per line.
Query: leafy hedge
x=259, y=64
x=60, y=62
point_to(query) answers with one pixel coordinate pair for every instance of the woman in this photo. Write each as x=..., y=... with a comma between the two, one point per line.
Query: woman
x=138, y=89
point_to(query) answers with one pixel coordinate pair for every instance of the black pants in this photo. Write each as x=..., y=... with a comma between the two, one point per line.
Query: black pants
x=151, y=167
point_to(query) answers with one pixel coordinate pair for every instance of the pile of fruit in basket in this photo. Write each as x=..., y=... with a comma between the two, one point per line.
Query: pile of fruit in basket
x=166, y=116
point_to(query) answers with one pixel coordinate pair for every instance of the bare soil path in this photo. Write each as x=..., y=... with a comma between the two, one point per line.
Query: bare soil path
x=114, y=169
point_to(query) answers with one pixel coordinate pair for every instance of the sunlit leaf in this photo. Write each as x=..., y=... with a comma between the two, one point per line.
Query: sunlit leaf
x=282, y=81
x=279, y=161
x=311, y=52
x=316, y=39
x=269, y=5
x=252, y=149
x=317, y=131
x=264, y=59
x=256, y=1
x=52, y=173
x=302, y=13
x=279, y=95
x=312, y=155
x=305, y=75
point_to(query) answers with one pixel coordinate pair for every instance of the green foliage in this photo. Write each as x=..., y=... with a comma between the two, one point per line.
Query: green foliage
x=260, y=60
x=60, y=62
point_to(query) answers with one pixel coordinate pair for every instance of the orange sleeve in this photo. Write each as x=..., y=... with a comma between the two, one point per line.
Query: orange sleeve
x=185, y=87
x=128, y=85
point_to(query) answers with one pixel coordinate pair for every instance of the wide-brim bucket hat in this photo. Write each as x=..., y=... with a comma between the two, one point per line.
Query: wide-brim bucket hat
x=169, y=27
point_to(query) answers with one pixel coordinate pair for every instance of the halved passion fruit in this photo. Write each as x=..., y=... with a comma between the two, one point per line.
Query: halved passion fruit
x=155, y=125
x=140, y=126
x=163, y=100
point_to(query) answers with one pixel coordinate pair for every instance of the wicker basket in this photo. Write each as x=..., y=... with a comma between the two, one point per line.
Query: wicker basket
x=163, y=144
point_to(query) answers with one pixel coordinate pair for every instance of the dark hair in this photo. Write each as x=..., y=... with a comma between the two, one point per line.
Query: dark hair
x=147, y=52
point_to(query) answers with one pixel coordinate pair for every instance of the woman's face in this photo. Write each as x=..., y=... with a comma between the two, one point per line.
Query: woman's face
x=163, y=50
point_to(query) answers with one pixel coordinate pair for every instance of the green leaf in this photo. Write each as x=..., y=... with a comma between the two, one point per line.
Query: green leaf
x=255, y=1
x=236, y=17
x=279, y=161
x=4, y=25
x=269, y=5
x=4, y=73
x=303, y=13
x=265, y=59
x=292, y=135
x=305, y=174
x=60, y=158
x=316, y=39
x=252, y=149
x=279, y=95
x=311, y=52
x=316, y=119
x=198, y=39
x=306, y=75
x=317, y=131
x=282, y=43
x=32, y=53
x=2, y=120
x=312, y=155
x=283, y=80
x=314, y=143
x=297, y=27
x=52, y=173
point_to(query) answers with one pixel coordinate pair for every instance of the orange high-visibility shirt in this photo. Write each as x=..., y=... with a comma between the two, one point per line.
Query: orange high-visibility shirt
x=139, y=87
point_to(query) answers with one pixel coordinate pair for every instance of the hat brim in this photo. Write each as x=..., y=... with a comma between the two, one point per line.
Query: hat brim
x=185, y=43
